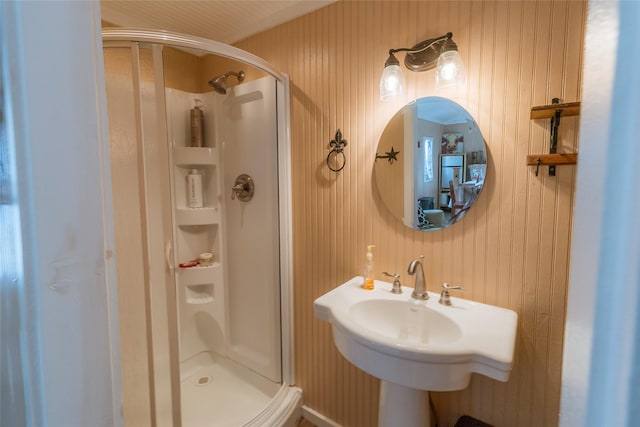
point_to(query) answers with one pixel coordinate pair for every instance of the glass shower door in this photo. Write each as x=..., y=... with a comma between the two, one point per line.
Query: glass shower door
x=143, y=228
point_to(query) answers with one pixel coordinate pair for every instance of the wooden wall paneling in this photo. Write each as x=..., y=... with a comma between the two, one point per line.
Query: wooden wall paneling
x=530, y=395
x=574, y=17
x=389, y=247
x=553, y=198
x=319, y=132
x=546, y=83
x=331, y=178
x=504, y=164
x=319, y=259
x=366, y=207
x=374, y=130
x=452, y=405
x=181, y=70
x=482, y=82
x=504, y=404
x=344, y=375
x=348, y=263
x=511, y=250
x=522, y=84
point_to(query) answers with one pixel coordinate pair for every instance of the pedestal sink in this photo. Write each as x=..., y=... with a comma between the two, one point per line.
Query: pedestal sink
x=415, y=347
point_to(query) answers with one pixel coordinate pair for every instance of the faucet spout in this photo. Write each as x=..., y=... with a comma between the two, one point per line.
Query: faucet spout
x=419, y=289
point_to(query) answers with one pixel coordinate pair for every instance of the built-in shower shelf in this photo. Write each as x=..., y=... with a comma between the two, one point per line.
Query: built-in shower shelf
x=199, y=294
x=200, y=275
x=194, y=156
x=197, y=216
x=201, y=300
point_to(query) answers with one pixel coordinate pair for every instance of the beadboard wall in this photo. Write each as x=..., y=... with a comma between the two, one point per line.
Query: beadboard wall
x=511, y=250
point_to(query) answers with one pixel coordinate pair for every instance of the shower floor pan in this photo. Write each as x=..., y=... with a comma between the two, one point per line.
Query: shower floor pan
x=217, y=392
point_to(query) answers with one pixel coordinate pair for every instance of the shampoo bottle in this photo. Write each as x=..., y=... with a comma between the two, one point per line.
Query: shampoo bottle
x=196, y=125
x=194, y=187
x=368, y=269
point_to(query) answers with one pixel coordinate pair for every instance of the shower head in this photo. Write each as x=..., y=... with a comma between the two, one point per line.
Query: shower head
x=219, y=84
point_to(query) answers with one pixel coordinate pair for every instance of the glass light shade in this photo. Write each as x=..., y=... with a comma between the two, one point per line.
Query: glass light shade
x=450, y=69
x=391, y=82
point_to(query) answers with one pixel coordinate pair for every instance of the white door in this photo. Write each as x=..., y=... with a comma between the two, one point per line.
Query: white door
x=65, y=308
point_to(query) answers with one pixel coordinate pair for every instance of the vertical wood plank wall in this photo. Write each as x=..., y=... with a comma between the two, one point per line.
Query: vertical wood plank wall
x=511, y=250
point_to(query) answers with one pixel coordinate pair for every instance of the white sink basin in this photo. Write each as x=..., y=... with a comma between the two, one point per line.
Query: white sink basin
x=419, y=345
x=404, y=321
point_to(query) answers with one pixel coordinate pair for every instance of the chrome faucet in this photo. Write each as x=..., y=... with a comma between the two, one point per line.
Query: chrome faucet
x=419, y=289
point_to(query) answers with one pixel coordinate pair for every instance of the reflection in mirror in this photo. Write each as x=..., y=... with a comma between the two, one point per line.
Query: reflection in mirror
x=431, y=163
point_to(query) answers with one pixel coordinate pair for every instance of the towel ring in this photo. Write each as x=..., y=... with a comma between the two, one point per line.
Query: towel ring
x=337, y=149
x=335, y=153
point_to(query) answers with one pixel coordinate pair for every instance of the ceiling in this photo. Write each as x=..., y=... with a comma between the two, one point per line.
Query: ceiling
x=224, y=21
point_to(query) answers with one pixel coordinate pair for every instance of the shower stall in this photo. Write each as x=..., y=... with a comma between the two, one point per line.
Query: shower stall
x=201, y=194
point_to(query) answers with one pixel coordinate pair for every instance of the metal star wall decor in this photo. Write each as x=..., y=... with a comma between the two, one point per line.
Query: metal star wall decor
x=391, y=156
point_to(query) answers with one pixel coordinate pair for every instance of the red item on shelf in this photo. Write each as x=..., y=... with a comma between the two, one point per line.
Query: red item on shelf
x=192, y=263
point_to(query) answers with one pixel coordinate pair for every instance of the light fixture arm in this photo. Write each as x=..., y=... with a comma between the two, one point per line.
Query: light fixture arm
x=422, y=46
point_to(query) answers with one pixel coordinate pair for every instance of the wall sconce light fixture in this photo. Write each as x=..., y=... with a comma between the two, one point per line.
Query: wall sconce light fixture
x=440, y=53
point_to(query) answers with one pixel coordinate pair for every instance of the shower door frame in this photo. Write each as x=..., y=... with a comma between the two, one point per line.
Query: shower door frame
x=112, y=37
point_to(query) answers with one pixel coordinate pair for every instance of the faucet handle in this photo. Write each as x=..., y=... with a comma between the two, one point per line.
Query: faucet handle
x=445, y=298
x=397, y=287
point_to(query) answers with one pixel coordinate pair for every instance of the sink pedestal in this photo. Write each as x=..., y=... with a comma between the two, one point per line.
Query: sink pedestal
x=402, y=406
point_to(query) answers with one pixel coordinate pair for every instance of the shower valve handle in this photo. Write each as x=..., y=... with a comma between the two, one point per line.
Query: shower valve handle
x=243, y=188
x=239, y=188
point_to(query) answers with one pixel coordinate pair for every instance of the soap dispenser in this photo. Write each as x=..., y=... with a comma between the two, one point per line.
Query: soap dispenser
x=368, y=269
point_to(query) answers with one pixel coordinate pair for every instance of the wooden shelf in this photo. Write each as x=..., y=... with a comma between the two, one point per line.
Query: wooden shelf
x=548, y=111
x=554, y=112
x=552, y=159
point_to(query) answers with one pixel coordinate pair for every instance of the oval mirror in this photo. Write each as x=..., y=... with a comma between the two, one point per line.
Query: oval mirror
x=430, y=163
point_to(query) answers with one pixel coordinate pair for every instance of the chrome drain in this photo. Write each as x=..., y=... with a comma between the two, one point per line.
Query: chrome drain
x=202, y=381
